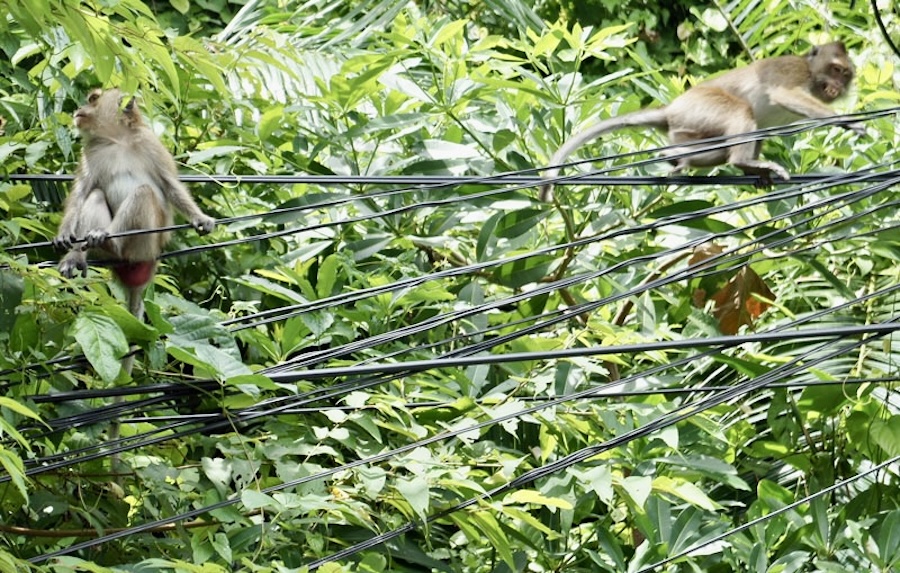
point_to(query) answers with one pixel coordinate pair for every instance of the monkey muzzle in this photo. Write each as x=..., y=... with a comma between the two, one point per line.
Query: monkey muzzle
x=80, y=116
x=830, y=91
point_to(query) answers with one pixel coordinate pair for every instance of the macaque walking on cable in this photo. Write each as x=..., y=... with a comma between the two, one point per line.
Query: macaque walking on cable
x=767, y=93
x=126, y=181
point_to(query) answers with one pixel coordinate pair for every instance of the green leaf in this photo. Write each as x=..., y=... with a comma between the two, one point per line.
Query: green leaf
x=18, y=408
x=217, y=363
x=269, y=122
x=687, y=491
x=534, y=497
x=102, y=342
x=327, y=276
x=488, y=525
x=415, y=492
x=371, y=245
x=524, y=271
x=516, y=223
x=888, y=540
x=637, y=488
x=15, y=469
x=886, y=434
x=220, y=543
x=450, y=30
x=253, y=499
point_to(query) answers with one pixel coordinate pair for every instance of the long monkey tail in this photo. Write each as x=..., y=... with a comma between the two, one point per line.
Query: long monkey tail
x=656, y=118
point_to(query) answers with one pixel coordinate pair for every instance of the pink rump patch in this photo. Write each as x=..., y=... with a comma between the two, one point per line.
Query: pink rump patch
x=134, y=274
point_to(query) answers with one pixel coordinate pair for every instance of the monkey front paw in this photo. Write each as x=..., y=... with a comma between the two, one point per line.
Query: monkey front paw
x=204, y=224
x=95, y=239
x=63, y=242
x=74, y=263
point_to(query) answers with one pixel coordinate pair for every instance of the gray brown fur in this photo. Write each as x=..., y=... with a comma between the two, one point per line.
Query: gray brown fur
x=769, y=92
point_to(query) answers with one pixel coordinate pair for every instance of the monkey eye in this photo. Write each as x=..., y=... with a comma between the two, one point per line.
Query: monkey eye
x=94, y=96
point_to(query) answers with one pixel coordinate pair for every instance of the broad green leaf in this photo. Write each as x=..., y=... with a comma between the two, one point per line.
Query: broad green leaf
x=102, y=342
x=637, y=488
x=415, y=492
x=886, y=433
x=253, y=499
x=18, y=408
x=368, y=247
x=534, y=497
x=888, y=540
x=327, y=276
x=15, y=469
x=687, y=491
x=488, y=525
x=269, y=122
x=450, y=30
x=217, y=363
x=220, y=543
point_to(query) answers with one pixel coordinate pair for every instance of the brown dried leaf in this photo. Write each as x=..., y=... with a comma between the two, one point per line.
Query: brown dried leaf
x=735, y=303
x=705, y=251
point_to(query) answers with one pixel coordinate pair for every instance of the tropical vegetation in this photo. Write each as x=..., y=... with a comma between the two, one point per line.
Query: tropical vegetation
x=390, y=356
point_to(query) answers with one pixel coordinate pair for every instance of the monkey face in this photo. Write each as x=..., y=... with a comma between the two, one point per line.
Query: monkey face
x=831, y=69
x=104, y=114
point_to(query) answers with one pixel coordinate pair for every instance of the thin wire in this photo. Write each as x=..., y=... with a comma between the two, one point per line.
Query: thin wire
x=351, y=386
x=702, y=146
x=772, y=514
x=683, y=412
x=282, y=313
x=802, y=362
x=884, y=32
x=690, y=271
x=580, y=352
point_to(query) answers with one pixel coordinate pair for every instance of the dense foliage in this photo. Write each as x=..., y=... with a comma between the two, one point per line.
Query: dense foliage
x=348, y=356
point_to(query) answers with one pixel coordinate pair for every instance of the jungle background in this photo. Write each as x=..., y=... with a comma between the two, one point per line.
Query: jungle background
x=390, y=356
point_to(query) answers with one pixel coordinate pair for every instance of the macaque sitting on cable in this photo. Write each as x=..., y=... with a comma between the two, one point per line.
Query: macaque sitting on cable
x=126, y=181
x=767, y=93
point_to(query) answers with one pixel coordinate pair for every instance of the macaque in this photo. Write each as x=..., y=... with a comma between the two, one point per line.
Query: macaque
x=767, y=93
x=126, y=181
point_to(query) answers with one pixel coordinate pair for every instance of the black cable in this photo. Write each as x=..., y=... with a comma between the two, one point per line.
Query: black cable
x=517, y=414
x=802, y=363
x=273, y=314
x=476, y=267
x=796, y=365
x=772, y=514
x=702, y=145
x=632, y=293
x=690, y=271
x=280, y=313
x=681, y=344
x=332, y=392
x=881, y=26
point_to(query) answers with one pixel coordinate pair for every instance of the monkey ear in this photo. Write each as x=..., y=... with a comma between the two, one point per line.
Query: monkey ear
x=131, y=106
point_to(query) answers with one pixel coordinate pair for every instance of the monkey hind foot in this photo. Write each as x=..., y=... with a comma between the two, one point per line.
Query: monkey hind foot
x=75, y=262
x=135, y=274
x=765, y=169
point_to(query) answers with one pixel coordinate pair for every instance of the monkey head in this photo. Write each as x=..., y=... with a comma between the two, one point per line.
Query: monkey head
x=831, y=71
x=106, y=113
